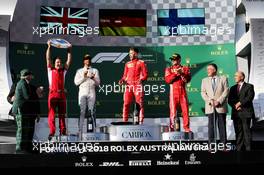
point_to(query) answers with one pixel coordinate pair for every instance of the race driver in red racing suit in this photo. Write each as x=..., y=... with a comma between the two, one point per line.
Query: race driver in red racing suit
x=177, y=76
x=135, y=73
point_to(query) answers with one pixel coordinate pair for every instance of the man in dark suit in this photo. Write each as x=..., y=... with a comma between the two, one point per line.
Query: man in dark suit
x=26, y=109
x=241, y=100
x=11, y=94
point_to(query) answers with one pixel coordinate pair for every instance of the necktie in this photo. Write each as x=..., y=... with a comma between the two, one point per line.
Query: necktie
x=213, y=84
x=238, y=88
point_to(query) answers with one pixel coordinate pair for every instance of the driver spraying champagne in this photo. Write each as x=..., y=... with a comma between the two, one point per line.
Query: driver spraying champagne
x=135, y=73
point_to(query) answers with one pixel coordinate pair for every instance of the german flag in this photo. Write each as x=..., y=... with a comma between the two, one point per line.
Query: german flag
x=120, y=22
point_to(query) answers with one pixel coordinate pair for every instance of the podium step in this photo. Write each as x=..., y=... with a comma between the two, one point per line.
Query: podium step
x=127, y=132
x=176, y=136
x=134, y=132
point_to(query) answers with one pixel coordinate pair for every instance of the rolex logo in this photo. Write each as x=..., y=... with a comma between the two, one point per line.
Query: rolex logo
x=84, y=158
x=188, y=85
x=155, y=73
x=156, y=97
x=118, y=115
x=156, y=101
x=219, y=51
x=156, y=77
x=221, y=71
x=188, y=60
x=25, y=50
x=25, y=46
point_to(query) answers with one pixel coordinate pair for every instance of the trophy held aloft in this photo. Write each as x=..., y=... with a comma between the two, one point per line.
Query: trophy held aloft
x=59, y=43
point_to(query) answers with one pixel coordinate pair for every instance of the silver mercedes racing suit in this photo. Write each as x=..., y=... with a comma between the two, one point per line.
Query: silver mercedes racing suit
x=87, y=93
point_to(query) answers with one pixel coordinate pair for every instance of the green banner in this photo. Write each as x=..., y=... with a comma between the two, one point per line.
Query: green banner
x=110, y=62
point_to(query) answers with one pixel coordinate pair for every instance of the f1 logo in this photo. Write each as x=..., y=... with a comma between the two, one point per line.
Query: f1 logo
x=115, y=57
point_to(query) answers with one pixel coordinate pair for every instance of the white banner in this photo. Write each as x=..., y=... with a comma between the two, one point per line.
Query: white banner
x=257, y=64
x=4, y=84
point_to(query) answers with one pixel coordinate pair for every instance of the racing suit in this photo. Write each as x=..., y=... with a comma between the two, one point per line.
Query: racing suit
x=134, y=73
x=178, y=95
x=87, y=94
x=56, y=99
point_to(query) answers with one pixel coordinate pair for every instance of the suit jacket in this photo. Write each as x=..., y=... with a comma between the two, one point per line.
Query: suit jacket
x=9, y=97
x=33, y=103
x=220, y=94
x=245, y=97
x=11, y=93
x=22, y=95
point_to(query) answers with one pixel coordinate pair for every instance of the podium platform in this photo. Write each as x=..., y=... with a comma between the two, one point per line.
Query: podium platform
x=126, y=131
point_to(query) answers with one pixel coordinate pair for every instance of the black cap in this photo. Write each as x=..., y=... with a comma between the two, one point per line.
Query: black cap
x=175, y=56
x=87, y=57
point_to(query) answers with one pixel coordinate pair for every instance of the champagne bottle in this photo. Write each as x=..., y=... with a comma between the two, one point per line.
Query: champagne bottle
x=89, y=122
x=177, y=124
x=136, y=114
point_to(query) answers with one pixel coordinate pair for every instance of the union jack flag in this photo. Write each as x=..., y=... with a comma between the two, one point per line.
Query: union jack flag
x=68, y=18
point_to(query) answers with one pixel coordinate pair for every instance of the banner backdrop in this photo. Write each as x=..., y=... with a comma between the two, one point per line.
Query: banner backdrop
x=5, y=78
x=257, y=64
x=110, y=62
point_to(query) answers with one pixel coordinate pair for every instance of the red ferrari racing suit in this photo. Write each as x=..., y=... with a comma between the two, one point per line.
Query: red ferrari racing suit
x=178, y=95
x=134, y=73
x=57, y=99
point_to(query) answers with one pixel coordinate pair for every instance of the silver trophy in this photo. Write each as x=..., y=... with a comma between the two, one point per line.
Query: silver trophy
x=60, y=43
